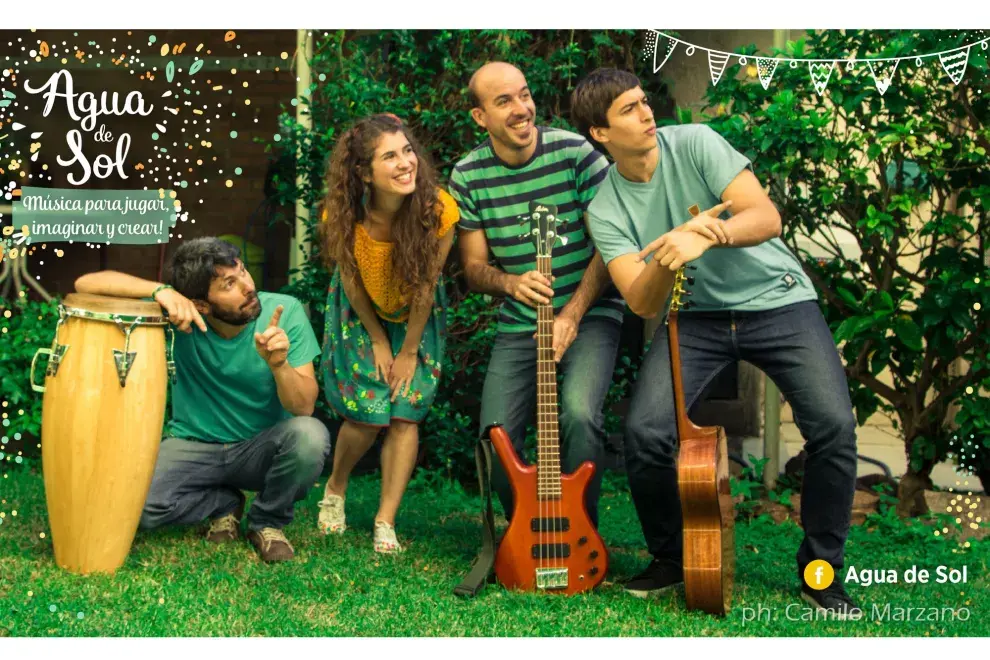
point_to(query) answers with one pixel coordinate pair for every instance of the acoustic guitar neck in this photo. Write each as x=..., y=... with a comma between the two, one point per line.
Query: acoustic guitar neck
x=684, y=423
x=685, y=426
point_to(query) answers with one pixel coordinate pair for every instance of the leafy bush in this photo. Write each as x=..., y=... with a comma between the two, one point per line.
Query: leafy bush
x=24, y=328
x=906, y=176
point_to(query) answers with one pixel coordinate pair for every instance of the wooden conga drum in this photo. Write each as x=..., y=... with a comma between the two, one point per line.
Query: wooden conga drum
x=101, y=425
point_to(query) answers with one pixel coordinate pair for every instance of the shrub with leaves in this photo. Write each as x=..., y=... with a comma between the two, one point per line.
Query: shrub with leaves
x=904, y=177
x=29, y=326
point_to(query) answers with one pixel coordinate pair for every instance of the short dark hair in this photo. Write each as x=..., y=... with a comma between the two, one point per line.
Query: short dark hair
x=194, y=265
x=595, y=94
x=472, y=93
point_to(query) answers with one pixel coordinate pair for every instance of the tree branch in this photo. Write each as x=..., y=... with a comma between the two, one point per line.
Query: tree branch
x=947, y=394
x=884, y=390
x=973, y=119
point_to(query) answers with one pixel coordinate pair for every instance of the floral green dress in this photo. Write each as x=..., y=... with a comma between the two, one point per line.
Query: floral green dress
x=348, y=364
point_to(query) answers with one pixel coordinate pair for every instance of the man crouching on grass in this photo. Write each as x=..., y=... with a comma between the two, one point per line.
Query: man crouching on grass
x=242, y=401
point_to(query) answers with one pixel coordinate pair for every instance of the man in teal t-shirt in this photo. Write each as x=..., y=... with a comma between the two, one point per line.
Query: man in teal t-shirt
x=242, y=401
x=750, y=301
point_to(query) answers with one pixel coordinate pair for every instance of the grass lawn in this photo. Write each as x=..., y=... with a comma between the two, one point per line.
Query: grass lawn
x=176, y=584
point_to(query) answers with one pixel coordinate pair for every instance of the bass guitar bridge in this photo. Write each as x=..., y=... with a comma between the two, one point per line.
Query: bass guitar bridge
x=551, y=578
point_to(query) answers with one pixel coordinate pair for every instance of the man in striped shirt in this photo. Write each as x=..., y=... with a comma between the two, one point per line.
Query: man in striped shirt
x=493, y=185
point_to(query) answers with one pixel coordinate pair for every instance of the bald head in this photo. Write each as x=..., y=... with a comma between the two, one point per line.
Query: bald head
x=488, y=78
x=503, y=105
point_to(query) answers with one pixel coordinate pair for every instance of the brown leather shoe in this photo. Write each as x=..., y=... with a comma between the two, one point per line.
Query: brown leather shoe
x=271, y=544
x=226, y=528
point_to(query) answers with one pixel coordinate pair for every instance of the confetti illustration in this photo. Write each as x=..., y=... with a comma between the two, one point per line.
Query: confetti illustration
x=190, y=94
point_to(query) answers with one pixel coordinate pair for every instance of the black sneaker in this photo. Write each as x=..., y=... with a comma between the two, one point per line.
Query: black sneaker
x=832, y=600
x=659, y=576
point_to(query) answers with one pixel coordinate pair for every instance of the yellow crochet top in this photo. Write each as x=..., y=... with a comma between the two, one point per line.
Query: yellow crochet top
x=374, y=260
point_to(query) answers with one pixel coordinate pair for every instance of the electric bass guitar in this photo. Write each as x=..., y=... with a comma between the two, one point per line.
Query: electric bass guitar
x=550, y=544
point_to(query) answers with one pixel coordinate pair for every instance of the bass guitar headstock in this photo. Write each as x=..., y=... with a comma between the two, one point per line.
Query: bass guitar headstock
x=543, y=227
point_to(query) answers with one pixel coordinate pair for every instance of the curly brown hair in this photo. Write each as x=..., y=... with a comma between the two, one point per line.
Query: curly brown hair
x=414, y=227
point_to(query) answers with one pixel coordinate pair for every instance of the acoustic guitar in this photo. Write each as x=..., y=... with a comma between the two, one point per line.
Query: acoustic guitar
x=551, y=544
x=703, y=483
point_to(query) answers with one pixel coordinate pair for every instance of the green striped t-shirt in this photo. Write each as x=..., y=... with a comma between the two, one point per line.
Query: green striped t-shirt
x=565, y=170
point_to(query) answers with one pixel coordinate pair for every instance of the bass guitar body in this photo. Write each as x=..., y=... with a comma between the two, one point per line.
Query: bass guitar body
x=550, y=544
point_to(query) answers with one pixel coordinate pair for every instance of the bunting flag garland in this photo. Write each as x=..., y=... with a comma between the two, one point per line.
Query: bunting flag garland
x=883, y=73
x=661, y=45
x=665, y=45
x=820, y=73
x=716, y=65
x=954, y=63
x=765, y=67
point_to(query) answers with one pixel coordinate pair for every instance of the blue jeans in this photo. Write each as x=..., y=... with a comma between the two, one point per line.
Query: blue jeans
x=794, y=347
x=195, y=480
x=509, y=399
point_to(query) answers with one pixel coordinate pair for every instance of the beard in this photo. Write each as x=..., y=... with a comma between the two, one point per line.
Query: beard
x=510, y=140
x=242, y=316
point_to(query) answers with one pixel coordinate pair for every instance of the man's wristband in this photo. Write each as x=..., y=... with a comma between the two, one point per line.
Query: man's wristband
x=160, y=288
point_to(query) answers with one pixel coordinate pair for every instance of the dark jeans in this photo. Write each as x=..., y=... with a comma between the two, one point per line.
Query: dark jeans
x=509, y=399
x=794, y=347
x=196, y=480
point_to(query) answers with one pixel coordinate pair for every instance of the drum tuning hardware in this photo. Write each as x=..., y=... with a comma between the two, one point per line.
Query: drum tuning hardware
x=124, y=359
x=55, y=359
x=169, y=359
x=54, y=354
x=58, y=350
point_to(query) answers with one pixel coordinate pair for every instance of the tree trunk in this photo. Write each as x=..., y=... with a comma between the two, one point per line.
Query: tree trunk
x=912, y=486
x=911, y=492
x=984, y=475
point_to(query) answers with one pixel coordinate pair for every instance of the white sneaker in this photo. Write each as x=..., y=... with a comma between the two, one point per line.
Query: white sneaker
x=385, y=539
x=331, y=519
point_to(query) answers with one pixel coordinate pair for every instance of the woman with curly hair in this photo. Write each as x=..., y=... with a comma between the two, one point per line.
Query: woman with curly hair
x=385, y=236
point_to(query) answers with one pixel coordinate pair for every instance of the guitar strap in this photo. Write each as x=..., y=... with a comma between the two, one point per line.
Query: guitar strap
x=483, y=565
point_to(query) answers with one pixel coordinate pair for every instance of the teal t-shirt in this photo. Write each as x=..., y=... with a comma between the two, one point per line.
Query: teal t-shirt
x=696, y=165
x=224, y=391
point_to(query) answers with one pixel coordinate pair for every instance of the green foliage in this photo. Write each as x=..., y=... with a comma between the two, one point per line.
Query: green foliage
x=905, y=178
x=422, y=77
x=887, y=503
x=30, y=326
x=782, y=497
x=970, y=444
x=748, y=488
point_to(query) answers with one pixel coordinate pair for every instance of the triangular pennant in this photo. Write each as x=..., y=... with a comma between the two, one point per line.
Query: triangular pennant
x=765, y=67
x=954, y=63
x=662, y=48
x=820, y=73
x=883, y=73
x=716, y=64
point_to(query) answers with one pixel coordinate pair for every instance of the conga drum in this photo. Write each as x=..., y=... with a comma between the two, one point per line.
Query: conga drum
x=101, y=425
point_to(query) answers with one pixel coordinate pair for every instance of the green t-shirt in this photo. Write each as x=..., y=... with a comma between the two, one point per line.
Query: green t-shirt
x=696, y=165
x=564, y=170
x=224, y=391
